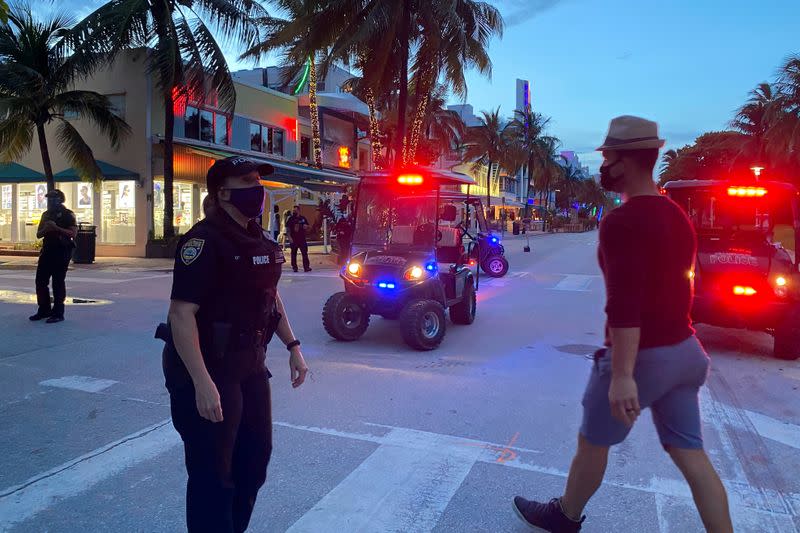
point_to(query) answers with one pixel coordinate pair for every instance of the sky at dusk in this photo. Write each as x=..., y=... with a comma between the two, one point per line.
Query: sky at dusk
x=687, y=64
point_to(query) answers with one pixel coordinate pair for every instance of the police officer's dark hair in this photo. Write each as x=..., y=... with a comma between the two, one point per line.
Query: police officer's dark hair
x=645, y=159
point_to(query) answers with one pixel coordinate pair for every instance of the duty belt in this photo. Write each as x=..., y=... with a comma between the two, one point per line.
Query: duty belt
x=253, y=338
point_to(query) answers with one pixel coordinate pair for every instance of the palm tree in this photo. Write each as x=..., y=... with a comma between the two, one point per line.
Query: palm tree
x=570, y=182
x=546, y=170
x=3, y=12
x=667, y=160
x=296, y=37
x=37, y=89
x=753, y=122
x=449, y=35
x=486, y=145
x=783, y=116
x=184, y=55
x=525, y=133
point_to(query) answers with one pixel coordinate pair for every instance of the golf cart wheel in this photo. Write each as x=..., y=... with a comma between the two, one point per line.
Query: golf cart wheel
x=787, y=337
x=423, y=324
x=344, y=318
x=495, y=266
x=464, y=311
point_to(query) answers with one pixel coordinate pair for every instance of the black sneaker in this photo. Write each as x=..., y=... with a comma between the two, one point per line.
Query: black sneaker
x=546, y=516
x=307, y=269
x=55, y=318
x=294, y=270
x=38, y=316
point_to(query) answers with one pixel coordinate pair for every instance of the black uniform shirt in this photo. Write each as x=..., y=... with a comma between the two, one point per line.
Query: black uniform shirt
x=232, y=274
x=64, y=218
x=297, y=229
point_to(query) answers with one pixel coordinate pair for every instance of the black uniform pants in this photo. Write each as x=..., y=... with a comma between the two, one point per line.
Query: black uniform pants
x=226, y=461
x=53, y=263
x=303, y=247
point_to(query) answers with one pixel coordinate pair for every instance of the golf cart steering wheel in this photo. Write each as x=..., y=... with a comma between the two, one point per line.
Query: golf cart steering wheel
x=423, y=232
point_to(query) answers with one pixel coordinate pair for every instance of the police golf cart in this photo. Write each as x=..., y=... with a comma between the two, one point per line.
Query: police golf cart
x=747, y=273
x=408, y=260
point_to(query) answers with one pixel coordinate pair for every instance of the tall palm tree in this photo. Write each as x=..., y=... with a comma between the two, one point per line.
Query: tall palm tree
x=667, y=160
x=184, y=55
x=783, y=115
x=753, y=122
x=525, y=132
x=451, y=35
x=300, y=44
x=37, y=82
x=546, y=170
x=486, y=145
x=570, y=181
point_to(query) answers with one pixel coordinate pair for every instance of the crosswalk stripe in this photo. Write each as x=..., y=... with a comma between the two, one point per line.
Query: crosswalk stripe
x=575, y=283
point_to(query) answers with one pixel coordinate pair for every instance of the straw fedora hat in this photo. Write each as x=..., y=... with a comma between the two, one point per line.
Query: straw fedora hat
x=631, y=133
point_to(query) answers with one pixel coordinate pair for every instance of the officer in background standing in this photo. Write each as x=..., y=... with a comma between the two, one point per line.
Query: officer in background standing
x=224, y=310
x=57, y=228
x=297, y=226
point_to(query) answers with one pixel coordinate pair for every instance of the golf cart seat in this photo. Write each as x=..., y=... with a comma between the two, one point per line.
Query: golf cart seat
x=450, y=248
x=403, y=234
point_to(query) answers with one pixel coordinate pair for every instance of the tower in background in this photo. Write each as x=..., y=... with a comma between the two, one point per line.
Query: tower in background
x=523, y=95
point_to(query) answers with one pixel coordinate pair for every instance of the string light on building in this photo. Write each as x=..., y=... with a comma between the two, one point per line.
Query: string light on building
x=374, y=131
x=314, y=112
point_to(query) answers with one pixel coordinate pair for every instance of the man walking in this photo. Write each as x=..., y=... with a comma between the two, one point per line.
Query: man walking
x=297, y=226
x=647, y=252
x=58, y=228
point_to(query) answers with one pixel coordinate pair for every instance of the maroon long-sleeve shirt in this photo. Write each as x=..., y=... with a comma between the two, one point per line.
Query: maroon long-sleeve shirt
x=647, y=249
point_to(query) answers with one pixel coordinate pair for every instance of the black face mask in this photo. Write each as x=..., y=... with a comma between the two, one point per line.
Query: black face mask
x=54, y=203
x=249, y=201
x=608, y=181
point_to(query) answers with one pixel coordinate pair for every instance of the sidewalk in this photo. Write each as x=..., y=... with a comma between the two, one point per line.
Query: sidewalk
x=319, y=261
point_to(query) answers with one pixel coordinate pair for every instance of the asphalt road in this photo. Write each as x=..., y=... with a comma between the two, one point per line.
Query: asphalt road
x=380, y=438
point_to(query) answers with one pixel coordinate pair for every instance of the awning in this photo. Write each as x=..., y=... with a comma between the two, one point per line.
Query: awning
x=16, y=173
x=312, y=178
x=110, y=173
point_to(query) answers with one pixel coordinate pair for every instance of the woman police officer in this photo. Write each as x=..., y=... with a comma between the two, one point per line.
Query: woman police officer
x=224, y=309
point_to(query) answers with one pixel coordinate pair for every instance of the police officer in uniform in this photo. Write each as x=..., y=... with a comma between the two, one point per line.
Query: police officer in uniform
x=57, y=228
x=224, y=309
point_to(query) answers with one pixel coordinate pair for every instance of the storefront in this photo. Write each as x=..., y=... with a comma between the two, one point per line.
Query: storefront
x=22, y=202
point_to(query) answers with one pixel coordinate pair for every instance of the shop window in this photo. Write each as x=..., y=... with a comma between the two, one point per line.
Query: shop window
x=118, y=212
x=31, y=203
x=277, y=142
x=186, y=209
x=206, y=126
x=80, y=199
x=266, y=139
x=220, y=129
x=6, y=212
x=192, y=123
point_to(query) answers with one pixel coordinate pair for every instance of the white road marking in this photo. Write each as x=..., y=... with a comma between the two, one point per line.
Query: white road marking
x=574, y=283
x=81, y=279
x=405, y=485
x=80, y=383
x=22, y=502
x=774, y=429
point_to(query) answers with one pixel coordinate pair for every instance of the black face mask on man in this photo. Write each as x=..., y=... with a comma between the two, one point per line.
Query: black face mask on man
x=612, y=176
x=249, y=201
x=54, y=203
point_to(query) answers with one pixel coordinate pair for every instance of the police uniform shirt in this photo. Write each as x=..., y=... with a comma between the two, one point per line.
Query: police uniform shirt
x=296, y=228
x=64, y=218
x=231, y=273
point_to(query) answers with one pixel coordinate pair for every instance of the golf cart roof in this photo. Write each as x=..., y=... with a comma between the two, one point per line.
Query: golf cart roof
x=698, y=184
x=442, y=177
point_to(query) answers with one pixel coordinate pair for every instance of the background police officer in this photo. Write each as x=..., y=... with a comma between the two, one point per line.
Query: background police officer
x=225, y=307
x=297, y=226
x=57, y=228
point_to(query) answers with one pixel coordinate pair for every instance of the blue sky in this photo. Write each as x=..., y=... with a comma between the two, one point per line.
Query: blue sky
x=687, y=64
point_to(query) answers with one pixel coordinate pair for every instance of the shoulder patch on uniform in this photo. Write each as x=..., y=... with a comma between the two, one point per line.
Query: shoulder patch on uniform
x=191, y=250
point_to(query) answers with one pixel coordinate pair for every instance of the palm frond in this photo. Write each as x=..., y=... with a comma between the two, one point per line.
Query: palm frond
x=96, y=108
x=77, y=152
x=16, y=136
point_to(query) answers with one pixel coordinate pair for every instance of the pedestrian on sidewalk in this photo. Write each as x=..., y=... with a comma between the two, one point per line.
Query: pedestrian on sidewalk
x=224, y=309
x=647, y=252
x=297, y=227
x=57, y=229
x=276, y=221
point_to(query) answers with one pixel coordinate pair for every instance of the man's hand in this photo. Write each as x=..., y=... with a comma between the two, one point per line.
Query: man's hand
x=623, y=395
x=208, y=403
x=298, y=368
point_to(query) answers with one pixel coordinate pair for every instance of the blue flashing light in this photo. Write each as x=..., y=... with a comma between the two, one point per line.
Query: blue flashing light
x=390, y=285
x=494, y=240
x=430, y=267
x=386, y=285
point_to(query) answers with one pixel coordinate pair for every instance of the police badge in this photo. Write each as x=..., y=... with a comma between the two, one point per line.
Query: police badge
x=191, y=250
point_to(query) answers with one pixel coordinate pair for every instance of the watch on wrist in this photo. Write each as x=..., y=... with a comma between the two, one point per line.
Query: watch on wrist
x=292, y=344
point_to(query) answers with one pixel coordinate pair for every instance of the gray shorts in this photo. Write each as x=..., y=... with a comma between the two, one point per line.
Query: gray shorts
x=669, y=379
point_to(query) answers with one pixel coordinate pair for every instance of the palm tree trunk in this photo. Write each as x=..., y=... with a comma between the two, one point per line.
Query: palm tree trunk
x=489, y=190
x=169, y=164
x=48, y=167
x=402, y=103
x=374, y=131
x=423, y=90
x=314, y=112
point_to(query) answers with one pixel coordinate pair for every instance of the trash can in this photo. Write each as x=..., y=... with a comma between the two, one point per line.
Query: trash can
x=85, y=244
x=515, y=227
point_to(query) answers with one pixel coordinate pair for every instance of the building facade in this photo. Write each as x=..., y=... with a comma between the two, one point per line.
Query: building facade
x=127, y=205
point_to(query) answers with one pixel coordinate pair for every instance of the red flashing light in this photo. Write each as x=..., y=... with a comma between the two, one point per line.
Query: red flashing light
x=739, y=290
x=410, y=179
x=747, y=192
